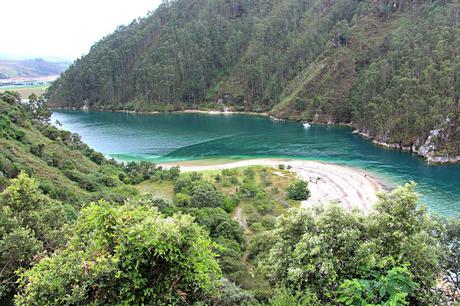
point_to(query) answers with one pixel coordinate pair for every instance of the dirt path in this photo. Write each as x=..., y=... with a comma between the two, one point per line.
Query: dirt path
x=240, y=219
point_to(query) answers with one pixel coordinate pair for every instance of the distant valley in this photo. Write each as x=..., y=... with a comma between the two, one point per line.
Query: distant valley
x=31, y=76
x=31, y=68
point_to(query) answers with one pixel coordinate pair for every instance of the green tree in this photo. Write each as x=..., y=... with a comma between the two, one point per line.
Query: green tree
x=204, y=194
x=319, y=248
x=298, y=190
x=127, y=254
x=31, y=224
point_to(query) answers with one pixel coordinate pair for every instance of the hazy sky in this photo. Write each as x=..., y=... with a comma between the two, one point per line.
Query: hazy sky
x=62, y=28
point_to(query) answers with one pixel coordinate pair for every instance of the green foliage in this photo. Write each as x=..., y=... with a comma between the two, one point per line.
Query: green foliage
x=318, y=249
x=218, y=223
x=391, y=289
x=137, y=172
x=284, y=297
x=230, y=294
x=125, y=255
x=66, y=169
x=450, y=238
x=205, y=194
x=265, y=178
x=260, y=244
x=31, y=224
x=298, y=190
x=183, y=184
x=149, y=201
x=182, y=199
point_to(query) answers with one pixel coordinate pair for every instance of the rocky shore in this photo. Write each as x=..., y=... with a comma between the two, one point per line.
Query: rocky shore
x=425, y=149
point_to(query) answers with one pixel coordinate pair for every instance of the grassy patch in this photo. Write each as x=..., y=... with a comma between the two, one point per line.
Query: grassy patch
x=160, y=190
x=26, y=91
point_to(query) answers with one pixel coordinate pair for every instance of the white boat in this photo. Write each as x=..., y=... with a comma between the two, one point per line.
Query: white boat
x=306, y=125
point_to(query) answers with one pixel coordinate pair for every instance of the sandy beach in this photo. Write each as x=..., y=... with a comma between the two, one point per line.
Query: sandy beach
x=352, y=188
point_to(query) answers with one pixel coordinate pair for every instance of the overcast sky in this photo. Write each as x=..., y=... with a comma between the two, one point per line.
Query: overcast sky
x=62, y=28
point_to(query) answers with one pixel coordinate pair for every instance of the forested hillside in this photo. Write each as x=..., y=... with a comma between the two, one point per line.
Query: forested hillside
x=389, y=67
x=67, y=169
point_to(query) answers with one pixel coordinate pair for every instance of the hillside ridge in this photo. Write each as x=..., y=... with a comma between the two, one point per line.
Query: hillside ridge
x=364, y=63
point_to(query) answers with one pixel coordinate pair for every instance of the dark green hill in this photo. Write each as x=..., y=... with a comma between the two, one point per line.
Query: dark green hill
x=390, y=68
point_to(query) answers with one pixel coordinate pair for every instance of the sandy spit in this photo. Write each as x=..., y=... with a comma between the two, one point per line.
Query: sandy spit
x=352, y=188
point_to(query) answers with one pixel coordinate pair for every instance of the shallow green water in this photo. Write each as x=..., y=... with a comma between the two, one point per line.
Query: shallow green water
x=165, y=137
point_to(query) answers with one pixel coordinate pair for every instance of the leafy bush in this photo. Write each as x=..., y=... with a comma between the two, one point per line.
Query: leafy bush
x=30, y=224
x=204, y=194
x=51, y=132
x=249, y=173
x=96, y=157
x=298, y=190
x=218, y=223
x=285, y=297
x=230, y=203
x=230, y=294
x=183, y=184
x=450, y=238
x=249, y=190
x=86, y=182
x=390, y=289
x=37, y=150
x=182, y=199
x=125, y=255
x=331, y=245
x=108, y=181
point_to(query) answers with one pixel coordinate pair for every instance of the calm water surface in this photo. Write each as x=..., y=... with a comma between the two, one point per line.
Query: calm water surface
x=170, y=137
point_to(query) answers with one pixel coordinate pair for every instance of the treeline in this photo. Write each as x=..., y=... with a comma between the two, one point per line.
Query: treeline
x=328, y=61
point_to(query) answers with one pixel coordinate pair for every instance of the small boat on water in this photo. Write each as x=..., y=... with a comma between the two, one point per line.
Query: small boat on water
x=306, y=125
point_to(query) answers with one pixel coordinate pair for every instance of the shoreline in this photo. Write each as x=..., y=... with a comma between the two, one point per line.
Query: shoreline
x=429, y=159
x=328, y=182
x=184, y=111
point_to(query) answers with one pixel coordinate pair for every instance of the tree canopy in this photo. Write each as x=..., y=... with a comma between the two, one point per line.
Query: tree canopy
x=329, y=251
x=125, y=255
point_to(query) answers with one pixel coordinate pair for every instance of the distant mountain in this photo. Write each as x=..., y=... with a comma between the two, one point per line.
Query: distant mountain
x=390, y=68
x=30, y=68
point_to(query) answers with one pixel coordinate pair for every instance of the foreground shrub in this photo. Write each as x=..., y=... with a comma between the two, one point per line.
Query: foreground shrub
x=128, y=255
x=318, y=249
x=30, y=224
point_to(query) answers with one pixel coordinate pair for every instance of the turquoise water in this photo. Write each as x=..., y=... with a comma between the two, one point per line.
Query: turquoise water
x=170, y=137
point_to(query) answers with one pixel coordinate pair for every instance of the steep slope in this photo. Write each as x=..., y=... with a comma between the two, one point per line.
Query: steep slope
x=390, y=68
x=66, y=168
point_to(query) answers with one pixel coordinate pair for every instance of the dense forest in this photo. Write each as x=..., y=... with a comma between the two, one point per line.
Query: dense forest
x=78, y=229
x=389, y=67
